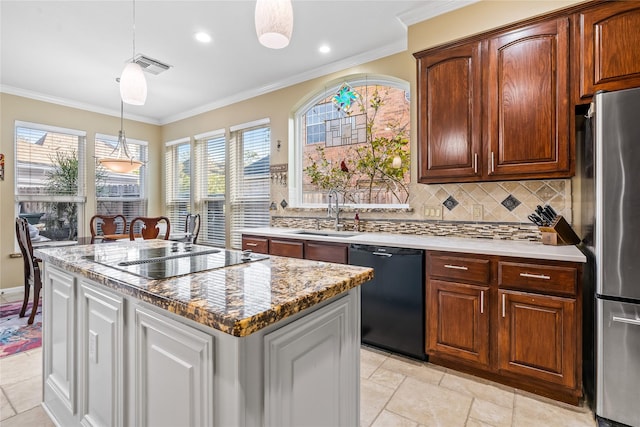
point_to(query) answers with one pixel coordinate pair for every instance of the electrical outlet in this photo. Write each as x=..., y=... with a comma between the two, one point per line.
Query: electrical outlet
x=433, y=212
x=477, y=212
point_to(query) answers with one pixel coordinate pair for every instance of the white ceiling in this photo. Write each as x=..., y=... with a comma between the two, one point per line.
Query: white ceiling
x=70, y=52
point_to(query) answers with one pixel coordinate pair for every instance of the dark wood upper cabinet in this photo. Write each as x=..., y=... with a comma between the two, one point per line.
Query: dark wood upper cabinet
x=609, y=47
x=496, y=108
x=527, y=102
x=449, y=104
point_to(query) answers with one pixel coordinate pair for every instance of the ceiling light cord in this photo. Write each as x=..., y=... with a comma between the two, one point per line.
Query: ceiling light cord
x=133, y=85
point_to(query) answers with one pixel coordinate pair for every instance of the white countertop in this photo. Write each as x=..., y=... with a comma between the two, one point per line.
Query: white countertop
x=451, y=244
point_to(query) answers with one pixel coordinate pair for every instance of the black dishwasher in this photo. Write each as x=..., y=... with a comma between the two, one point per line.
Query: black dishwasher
x=393, y=302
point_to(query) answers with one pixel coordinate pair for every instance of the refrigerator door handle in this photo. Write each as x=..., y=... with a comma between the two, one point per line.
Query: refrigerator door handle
x=626, y=320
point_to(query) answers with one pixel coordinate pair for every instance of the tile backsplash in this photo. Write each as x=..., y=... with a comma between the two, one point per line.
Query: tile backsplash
x=488, y=210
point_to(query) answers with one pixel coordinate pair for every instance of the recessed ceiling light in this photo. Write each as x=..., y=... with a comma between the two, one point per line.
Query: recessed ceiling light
x=324, y=48
x=202, y=37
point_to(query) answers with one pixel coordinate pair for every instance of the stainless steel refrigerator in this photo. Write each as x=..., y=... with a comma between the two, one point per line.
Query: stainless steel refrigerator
x=615, y=244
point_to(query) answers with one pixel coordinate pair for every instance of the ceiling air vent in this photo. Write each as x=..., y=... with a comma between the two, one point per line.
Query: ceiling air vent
x=150, y=65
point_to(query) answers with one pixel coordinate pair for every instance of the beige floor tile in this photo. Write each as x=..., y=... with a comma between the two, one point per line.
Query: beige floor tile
x=479, y=388
x=419, y=370
x=387, y=378
x=476, y=423
x=35, y=417
x=6, y=410
x=370, y=360
x=429, y=404
x=389, y=419
x=18, y=367
x=530, y=412
x=490, y=413
x=26, y=394
x=373, y=398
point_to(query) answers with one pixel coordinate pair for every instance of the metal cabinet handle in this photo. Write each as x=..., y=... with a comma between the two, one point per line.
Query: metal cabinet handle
x=493, y=162
x=383, y=254
x=251, y=244
x=481, y=302
x=626, y=320
x=456, y=267
x=504, y=303
x=535, y=276
x=475, y=163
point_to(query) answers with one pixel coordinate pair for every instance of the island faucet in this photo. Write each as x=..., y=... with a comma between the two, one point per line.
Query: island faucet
x=334, y=193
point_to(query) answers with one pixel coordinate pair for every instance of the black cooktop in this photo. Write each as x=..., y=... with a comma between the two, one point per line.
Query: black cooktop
x=176, y=260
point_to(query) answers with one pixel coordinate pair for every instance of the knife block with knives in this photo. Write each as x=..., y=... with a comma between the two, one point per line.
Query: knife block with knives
x=559, y=232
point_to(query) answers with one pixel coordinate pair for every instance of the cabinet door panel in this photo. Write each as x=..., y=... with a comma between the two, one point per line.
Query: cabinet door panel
x=59, y=340
x=458, y=320
x=609, y=40
x=102, y=365
x=449, y=129
x=308, y=366
x=173, y=372
x=537, y=337
x=527, y=104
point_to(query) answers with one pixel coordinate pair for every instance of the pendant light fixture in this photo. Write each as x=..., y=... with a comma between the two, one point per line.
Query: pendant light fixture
x=133, y=85
x=274, y=22
x=120, y=160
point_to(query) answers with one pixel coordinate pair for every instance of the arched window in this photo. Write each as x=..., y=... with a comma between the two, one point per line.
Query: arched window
x=353, y=136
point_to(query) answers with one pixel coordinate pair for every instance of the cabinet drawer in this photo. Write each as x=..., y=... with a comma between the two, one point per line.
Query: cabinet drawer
x=258, y=245
x=289, y=248
x=543, y=278
x=326, y=252
x=463, y=269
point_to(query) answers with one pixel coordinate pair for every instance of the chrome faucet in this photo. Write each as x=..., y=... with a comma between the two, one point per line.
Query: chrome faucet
x=334, y=193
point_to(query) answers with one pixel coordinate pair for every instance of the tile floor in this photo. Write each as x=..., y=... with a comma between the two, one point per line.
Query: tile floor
x=395, y=392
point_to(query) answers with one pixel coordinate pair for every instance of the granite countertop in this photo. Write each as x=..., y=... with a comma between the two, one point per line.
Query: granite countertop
x=513, y=248
x=238, y=300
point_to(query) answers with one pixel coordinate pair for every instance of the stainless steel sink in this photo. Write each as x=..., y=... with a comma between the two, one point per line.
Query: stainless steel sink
x=324, y=233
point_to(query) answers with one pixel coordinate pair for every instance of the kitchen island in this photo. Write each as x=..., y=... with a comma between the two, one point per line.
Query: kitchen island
x=158, y=333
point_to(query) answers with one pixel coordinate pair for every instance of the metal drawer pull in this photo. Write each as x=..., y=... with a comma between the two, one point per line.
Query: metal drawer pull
x=456, y=267
x=504, y=296
x=493, y=162
x=251, y=244
x=481, y=302
x=475, y=163
x=383, y=254
x=626, y=320
x=535, y=276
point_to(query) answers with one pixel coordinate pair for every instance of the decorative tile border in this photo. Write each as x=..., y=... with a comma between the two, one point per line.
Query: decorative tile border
x=485, y=230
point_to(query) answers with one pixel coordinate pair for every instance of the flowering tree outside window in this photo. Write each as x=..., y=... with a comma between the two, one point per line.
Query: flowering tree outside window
x=364, y=154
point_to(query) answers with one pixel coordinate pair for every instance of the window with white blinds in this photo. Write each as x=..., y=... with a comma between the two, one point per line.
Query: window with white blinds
x=178, y=182
x=121, y=193
x=249, y=174
x=49, y=185
x=210, y=186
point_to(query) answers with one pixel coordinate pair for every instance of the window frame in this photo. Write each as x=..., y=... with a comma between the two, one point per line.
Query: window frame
x=296, y=150
x=79, y=198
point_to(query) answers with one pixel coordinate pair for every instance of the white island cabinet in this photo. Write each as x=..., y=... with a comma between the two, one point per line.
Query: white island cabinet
x=121, y=353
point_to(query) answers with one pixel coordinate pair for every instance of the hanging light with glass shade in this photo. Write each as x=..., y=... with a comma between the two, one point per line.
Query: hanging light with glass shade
x=120, y=159
x=274, y=23
x=133, y=85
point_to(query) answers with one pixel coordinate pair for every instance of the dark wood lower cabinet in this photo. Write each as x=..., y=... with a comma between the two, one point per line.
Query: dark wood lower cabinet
x=288, y=248
x=458, y=320
x=519, y=324
x=327, y=252
x=537, y=337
